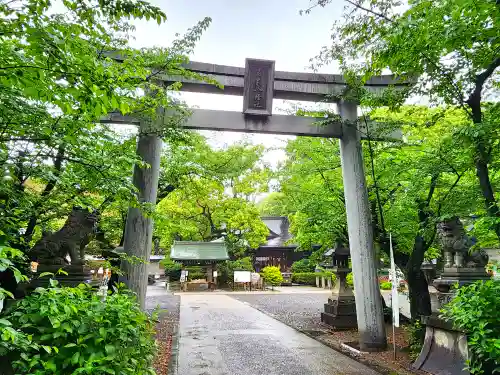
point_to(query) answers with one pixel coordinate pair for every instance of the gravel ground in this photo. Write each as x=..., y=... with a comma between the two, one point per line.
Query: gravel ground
x=166, y=329
x=300, y=311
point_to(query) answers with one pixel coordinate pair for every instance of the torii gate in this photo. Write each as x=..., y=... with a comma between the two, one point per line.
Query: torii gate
x=259, y=83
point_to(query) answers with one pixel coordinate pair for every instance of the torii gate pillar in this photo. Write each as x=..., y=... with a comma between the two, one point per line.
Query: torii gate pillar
x=369, y=311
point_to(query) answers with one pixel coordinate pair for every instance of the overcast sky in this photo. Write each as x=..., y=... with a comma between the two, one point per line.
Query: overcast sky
x=266, y=29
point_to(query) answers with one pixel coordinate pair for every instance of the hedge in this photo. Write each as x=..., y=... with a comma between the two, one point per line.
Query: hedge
x=195, y=275
x=386, y=285
x=303, y=266
x=309, y=278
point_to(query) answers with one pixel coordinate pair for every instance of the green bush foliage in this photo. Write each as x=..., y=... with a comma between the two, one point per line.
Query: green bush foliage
x=196, y=275
x=350, y=280
x=416, y=335
x=272, y=275
x=303, y=266
x=305, y=278
x=172, y=269
x=330, y=275
x=243, y=264
x=475, y=310
x=309, y=278
x=72, y=331
x=386, y=285
x=226, y=270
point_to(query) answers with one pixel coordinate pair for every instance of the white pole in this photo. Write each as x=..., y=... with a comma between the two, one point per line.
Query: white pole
x=394, y=297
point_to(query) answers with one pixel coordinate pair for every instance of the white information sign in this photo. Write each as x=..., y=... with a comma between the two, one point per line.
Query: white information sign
x=242, y=276
x=255, y=277
x=215, y=273
x=184, y=274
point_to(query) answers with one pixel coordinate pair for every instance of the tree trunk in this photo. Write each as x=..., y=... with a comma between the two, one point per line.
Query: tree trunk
x=483, y=176
x=420, y=300
x=139, y=227
x=410, y=264
x=482, y=156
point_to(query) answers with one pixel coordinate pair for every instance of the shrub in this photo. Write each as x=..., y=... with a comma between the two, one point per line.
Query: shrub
x=196, y=275
x=172, y=269
x=305, y=278
x=302, y=266
x=475, y=311
x=71, y=331
x=272, y=275
x=194, y=269
x=350, y=280
x=386, y=285
x=309, y=278
x=243, y=264
x=331, y=275
x=226, y=270
x=416, y=335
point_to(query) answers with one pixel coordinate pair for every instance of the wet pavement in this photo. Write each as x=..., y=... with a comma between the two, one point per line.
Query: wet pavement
x=219, y=335
x=158, y=297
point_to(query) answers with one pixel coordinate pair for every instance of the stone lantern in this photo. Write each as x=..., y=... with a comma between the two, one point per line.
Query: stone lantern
x=340, y=311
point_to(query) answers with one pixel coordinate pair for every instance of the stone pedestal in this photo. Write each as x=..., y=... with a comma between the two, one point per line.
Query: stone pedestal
x=340, y=312
x=77, y=274
x=459, y=275
x=445, y=349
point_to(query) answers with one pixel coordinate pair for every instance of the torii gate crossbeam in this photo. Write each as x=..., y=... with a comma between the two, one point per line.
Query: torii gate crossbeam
x=259, y=84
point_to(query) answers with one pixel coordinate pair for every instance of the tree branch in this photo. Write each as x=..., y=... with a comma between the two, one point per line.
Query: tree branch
x=48, y=188
x=440, y=204
x=475, y=96
x=380, y=15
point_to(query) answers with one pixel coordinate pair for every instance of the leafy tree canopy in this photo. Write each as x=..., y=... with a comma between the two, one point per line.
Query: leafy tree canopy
x=448, y=48
x=210, y=191
x=58, y=77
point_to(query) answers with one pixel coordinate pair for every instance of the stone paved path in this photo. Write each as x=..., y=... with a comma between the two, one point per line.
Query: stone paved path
x=219, y=335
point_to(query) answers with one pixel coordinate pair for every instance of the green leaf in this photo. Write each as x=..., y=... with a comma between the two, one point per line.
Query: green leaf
x=60, y=271
x=43, y=274
x=5, y=322
x=75, y=358
x=110, y=349
x=50, y=365
x=6, y=292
